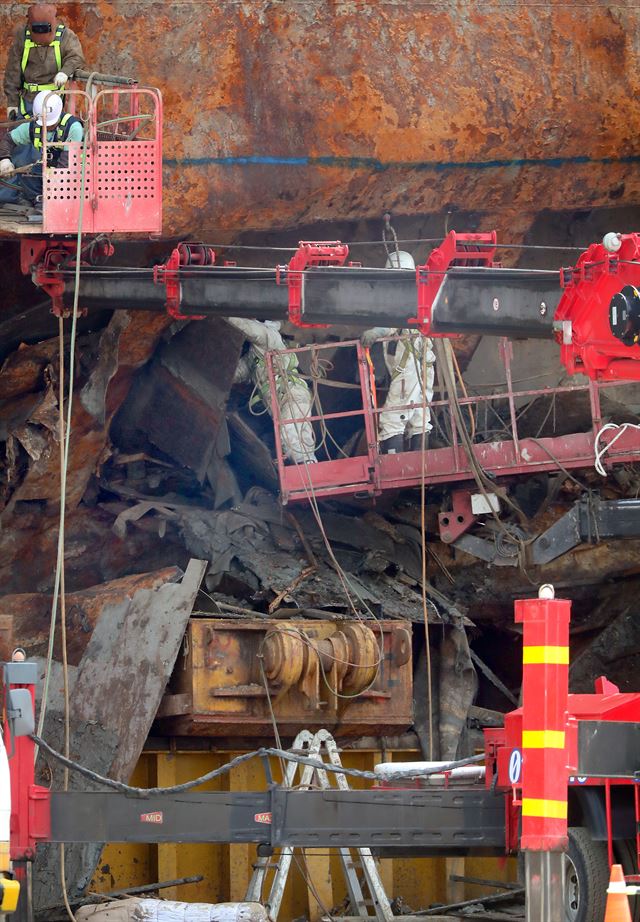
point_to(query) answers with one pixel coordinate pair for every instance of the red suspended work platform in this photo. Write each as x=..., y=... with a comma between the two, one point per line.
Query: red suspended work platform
x=506, y=453
x=122, y=169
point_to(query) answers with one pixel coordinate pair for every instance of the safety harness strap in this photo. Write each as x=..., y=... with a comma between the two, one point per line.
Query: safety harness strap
x=28, y=45
x=284, y=376
x=60, y=133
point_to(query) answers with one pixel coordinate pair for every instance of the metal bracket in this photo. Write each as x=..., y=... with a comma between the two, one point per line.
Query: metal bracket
x=43, y=258
x=460, y=519
x=169, y=276
x=308, y=255
x=455, y=250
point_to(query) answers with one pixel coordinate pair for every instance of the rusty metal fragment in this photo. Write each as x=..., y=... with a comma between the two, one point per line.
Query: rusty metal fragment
x=25, y=619
x=125, y=344
x=115, y=691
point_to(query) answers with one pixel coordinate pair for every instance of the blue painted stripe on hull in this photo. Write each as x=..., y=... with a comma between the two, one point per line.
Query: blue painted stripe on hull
x=370, y=163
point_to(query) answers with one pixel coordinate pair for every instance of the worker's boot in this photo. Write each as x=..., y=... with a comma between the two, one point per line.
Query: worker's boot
x=417, y=443
x=392, y=446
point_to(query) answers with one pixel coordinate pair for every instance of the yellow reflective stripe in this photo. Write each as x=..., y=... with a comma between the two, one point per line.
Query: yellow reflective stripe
x=28, y=45
x=38, y=87
x=558, y=656
x=56, y=46
x=548, y=809
x=543, y=739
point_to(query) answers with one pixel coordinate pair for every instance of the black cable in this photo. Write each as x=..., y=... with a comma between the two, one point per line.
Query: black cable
x=263, y=753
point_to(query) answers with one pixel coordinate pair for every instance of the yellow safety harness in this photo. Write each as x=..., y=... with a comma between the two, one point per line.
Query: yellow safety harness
x=60, y=133
x=290, y=374
x=409, y=350
x=28, y=45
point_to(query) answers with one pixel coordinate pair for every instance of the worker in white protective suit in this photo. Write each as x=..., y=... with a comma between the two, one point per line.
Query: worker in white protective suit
x=294, y=397
x=409, y=361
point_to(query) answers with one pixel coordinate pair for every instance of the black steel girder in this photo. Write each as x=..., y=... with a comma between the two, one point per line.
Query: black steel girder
x=444, y=819
x=466, y=303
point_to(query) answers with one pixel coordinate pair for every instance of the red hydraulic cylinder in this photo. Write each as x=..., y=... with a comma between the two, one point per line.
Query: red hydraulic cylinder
x=545, y=689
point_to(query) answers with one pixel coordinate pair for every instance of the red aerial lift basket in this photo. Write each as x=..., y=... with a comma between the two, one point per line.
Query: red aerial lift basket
x=122, y=171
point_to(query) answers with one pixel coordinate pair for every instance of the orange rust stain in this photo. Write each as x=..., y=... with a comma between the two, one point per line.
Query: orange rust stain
x=394, y=80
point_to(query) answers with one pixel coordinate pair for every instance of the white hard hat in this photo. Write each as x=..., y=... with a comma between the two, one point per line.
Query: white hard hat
x=52, y=108
x=400, y=259
x=273, y=325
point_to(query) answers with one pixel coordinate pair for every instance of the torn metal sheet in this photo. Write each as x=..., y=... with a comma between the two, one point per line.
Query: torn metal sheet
x=251, y=456
x=458, y=688
x=22, y=372
x=243, y=547
x=179, y=404
x=28, y=549
x=115, y=691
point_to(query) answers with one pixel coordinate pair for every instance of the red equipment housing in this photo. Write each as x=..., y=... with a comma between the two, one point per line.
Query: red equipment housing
x=598, y=319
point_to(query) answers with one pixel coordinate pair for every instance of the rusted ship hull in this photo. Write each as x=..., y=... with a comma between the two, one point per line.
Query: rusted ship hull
x=282, y=114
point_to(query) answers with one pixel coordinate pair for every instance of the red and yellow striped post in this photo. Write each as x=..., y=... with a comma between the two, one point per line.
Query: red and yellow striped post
x=545, y=690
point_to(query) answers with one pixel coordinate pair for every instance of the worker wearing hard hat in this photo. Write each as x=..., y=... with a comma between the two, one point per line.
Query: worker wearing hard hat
x=293, y=395
x=44, y=55
x=24, y=144
x=410, y=362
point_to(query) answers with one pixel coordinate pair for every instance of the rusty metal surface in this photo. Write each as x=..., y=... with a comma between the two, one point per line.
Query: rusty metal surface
x=125, y=344
x=115, y=691
x=217, y=689
x=25, y=618
x=278, y=113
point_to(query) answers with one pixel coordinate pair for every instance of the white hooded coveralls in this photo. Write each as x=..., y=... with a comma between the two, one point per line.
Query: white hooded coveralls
x=294, y=397
x=405, y=367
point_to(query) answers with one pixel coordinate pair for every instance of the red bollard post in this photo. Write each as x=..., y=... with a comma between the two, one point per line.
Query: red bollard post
x=545, y=689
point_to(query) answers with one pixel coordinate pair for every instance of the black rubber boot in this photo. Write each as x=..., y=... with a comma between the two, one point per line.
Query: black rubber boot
x=392, y=446
x=416, y=442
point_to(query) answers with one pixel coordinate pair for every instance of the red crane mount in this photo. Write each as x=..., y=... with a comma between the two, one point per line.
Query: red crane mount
x=308, y=255
x=456, y=250
x=593, y=309
x=593, y=738
x=185, y=254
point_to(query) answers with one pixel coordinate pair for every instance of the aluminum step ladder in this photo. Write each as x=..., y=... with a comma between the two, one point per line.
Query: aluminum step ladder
x=366, y=893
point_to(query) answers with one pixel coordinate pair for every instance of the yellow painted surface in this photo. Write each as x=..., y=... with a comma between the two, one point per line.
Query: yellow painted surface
x=227, y=869
x=10, y=895
x=543, y=739
x=550, y=809
x=556, y=656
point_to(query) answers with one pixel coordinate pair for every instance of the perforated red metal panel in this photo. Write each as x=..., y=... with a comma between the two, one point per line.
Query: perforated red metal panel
x=129, y=187
x=123, y=177
x=61, y=195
